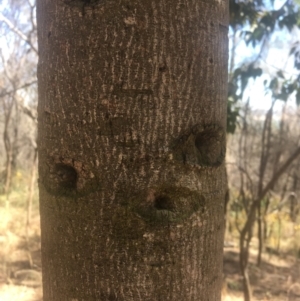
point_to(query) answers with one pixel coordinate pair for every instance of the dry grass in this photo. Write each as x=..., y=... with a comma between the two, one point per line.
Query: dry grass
x=20, y=266
x=10, y=292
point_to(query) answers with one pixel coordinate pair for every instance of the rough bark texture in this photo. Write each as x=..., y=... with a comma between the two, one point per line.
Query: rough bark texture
x=132, y=102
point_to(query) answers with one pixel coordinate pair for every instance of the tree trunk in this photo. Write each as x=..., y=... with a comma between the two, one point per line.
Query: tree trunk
x=260, y=236
x=8, y=108
x=132, y=102
x=31, y=193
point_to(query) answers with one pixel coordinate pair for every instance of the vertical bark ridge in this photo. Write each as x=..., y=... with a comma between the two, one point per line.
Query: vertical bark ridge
x=125, y=88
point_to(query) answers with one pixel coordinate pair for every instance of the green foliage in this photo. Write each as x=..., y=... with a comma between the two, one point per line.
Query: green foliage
x=236, y=89
x=232, y=115
x=242, y=12
x=256, y=21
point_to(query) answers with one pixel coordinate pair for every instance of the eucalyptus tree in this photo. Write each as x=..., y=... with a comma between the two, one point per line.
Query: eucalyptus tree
x=132, y=124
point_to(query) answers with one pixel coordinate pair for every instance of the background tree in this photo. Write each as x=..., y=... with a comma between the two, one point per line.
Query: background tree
x=256, y=23
x=18, y=79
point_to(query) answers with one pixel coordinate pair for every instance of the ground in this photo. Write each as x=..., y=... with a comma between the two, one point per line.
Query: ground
x=278, y=278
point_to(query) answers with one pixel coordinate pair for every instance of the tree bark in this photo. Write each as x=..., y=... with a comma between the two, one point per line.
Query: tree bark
x=132, y=117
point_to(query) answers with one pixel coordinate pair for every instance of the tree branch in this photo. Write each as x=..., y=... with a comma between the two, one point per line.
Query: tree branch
x=279, y=172
x=18, y=32
x=16, y=89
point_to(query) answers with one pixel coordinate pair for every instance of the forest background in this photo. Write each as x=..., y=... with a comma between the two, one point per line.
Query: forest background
x=262, y=240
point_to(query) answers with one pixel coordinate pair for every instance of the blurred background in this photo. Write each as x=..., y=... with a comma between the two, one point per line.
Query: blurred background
x=262, y=239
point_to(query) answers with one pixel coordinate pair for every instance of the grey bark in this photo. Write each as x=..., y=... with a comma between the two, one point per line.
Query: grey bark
x=132, y=102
